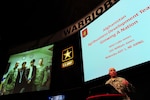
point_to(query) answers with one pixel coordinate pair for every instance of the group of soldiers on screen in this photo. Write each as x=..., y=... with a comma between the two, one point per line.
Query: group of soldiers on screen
x=26, y=79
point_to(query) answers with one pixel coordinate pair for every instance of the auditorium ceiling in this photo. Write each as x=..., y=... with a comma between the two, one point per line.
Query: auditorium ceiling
x=33, y=19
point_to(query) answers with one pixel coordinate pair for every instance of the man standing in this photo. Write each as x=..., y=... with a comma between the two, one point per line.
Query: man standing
x=9, y=83
x=30, y=76
x=21, y=81
x=41, y=76
x=120, y=84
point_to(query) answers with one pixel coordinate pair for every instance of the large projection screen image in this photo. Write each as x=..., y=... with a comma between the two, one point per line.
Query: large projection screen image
x=28, y=71
x=118, y=38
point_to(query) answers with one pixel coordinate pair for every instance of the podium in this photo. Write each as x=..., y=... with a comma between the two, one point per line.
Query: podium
x=105, y=97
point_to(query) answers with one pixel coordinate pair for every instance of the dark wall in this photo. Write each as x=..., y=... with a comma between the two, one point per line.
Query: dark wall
x=70, y=76
x=3, y=57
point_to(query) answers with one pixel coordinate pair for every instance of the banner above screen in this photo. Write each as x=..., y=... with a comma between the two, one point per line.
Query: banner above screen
x=72, y=29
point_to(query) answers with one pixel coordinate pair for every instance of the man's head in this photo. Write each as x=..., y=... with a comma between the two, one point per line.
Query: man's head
x=24, y=64
x=41, y=61
x=112, y=72
x=32, y=62
x=16, y=64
